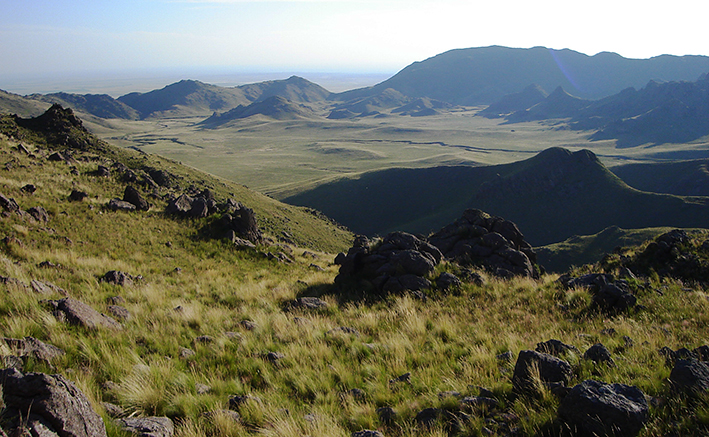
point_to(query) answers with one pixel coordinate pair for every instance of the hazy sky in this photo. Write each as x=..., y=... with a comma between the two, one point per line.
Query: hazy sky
x=41, y=38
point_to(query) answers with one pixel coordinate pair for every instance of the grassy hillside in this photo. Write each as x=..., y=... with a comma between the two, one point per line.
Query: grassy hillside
x=589, y=249
x=551, y=197
x=208, y=321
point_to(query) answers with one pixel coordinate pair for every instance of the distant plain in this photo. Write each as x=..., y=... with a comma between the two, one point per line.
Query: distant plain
x=283, y=157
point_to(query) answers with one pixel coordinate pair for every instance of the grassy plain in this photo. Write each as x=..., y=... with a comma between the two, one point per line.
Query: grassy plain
x=281, y=158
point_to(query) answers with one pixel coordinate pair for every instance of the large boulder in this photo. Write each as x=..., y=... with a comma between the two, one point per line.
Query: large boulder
x=133, y=196
x=479, y=239
x=400, y=261
x=595, y=409
x=30, y=347
x=690, y=376
x=534, y=369
x=78, y=313
x=49, y=405
x=240, y=223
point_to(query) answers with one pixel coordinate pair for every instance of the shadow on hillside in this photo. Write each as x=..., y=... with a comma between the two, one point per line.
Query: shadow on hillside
x=350, y=292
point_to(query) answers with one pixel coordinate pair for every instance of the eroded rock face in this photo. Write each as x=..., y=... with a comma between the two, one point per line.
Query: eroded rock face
x=55, y=405
x=401, y=261
x=491, y=242
x=593, y=408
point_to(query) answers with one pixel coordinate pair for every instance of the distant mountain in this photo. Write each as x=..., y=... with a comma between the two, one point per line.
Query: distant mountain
x=558, y=104
x=296, y=89
x=422, y=107
x=185, y=98
x=100, y=105
x=683, y=178
x=25, y=107
x=371, y=104
x=275, y=107
x=514, y=102
x=483, y=75
x=551, y=197
x=194, y=98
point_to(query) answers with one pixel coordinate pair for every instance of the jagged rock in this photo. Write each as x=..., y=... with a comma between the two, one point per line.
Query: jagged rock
x=29, y=188
x=533, y=368
x=52, y=403
x=57, y=156
x=386, y=415
x=38, y=213
x=487, y=241
x=199, y=208
x=599, y=354
x=690, y=376
x=241, y=222
x=119, y=312
x=103, y=171
x=161, y=177
x=8, y=204
x=447, y=281
x=148, y=426
x=77, y=196
x=120, y=205
x=593, y=408
x=46, y=288
x=181, y=205
x=118, y=278
x=78, y=313
x=555, y=347
x=132, y=196
x=30, y=347
x=398, y=263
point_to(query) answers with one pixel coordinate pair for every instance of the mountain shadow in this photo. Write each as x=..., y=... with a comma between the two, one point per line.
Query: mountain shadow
x=552, y=196
x=514, y=102
x=682, y=178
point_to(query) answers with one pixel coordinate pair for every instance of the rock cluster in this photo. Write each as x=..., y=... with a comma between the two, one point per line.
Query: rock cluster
x=398, y=262
x=494, y=243
x=609, y=295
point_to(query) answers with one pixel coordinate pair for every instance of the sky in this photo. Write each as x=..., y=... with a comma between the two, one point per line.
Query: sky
x=47, y=43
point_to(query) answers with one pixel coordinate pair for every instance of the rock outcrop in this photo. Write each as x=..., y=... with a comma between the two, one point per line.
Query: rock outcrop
x=78, y=313
x=534, y=370
x=487, y=241
x=399, y=262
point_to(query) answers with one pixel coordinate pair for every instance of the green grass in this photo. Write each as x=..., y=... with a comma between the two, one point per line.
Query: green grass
x=449, y=342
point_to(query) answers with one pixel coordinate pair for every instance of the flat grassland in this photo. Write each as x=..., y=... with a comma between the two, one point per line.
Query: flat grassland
x=283, y=157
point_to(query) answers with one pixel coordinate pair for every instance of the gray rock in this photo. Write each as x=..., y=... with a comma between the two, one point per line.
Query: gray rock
x=120, y=205
x=30, y=347
x=78, y=313
x=182, y=205
x=308, y=303
x=118, y=278
x=534, y=368
x=46, y=288
x=77, y=196
x=447, y=281
x=599, y=354
x=367, y=433
x=148, y=426
x=119, y=312
x=593, y=408
x=690, y=376
x=133, y=196
x=54, y=405
x=38, y=213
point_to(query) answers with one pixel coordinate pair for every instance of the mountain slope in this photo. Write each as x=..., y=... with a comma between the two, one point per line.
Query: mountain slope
x=514, y=102
x=100, y=105
x=274, y=107
x=59, y=129
x=15, y=104
x=683, y=178
x=483, y=75
x=551, y=197
x=295, y=89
